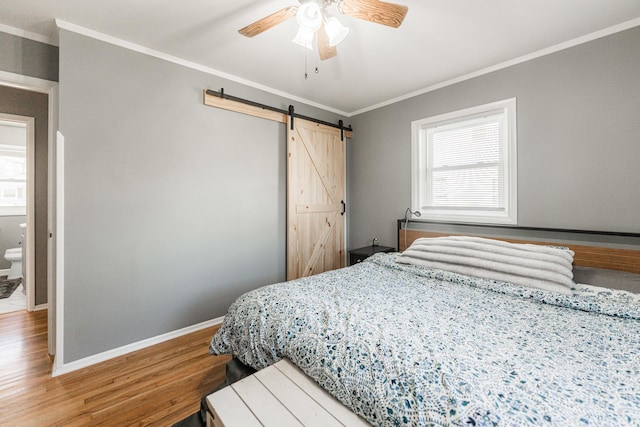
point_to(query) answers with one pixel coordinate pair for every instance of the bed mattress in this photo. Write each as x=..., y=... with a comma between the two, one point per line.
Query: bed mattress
x=410, y=345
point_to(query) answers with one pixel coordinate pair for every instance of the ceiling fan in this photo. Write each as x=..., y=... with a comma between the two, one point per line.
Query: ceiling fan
x=314, y=18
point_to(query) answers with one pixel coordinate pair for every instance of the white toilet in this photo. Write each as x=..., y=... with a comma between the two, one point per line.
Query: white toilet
x=14, y=256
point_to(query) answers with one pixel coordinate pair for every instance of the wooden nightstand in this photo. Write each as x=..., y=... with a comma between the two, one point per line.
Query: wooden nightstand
x=360, y=254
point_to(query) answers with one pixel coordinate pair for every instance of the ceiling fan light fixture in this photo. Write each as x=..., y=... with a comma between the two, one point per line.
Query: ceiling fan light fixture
x=309, y=16
x=312, y=14
x=336, y=32
x=304, y=38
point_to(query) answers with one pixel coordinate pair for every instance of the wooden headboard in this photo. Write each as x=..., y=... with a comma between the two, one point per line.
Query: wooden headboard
x=585, y=256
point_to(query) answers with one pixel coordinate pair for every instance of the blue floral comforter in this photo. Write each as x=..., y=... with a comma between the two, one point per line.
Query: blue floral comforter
x=407, y=345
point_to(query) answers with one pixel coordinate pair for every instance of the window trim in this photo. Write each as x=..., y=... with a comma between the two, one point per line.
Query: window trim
x=24, y=151
x=419, y=161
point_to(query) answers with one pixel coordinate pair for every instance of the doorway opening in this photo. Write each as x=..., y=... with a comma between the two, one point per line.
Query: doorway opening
x=36, y=98
x=17, y=290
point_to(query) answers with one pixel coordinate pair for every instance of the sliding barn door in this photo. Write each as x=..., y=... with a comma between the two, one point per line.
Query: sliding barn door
x=315, y=199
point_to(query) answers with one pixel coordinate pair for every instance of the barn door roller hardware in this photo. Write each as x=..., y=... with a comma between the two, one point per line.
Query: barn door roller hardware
x=289, y=112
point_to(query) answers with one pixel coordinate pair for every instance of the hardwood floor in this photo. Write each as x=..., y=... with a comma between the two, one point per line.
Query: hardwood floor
x=158, y=386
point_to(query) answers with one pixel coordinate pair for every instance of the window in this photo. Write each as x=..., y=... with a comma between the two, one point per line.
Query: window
x=464, y=165
x=13, y=168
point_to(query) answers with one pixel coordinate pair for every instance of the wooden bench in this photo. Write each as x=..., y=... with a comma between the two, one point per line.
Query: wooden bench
x=280, y=395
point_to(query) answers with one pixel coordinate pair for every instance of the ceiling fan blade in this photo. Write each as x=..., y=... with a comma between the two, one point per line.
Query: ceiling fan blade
x=267, y=22
x=325, y=50
x=379, y=12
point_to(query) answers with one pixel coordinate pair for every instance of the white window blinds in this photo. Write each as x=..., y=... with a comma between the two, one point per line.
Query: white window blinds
x=464, y=165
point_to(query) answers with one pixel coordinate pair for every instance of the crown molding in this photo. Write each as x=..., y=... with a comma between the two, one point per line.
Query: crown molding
x=188, y=64
x=28, y=35
x=208, y=70
x=26, y=82
x=537, y=54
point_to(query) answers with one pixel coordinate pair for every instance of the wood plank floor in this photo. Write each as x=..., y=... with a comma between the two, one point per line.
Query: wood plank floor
x=156, y=386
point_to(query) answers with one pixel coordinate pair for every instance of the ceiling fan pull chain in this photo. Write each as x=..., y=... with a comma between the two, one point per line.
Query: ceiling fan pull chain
x=306, y=75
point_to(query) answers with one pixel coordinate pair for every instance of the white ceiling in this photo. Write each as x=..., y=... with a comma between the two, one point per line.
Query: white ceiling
x=439, y=41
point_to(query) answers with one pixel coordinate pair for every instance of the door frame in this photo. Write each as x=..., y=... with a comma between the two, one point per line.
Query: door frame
x=51, y=89
x=29, y=236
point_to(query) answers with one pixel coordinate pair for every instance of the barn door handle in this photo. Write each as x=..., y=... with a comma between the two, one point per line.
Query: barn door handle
x=344, y=207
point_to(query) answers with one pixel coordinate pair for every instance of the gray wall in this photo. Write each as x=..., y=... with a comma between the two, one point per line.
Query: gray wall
x=33, y=104
x=172, y=208
x=578, y=148
x=28, y=57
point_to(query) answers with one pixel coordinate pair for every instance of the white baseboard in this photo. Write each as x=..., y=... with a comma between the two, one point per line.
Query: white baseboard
x=65, y=368
x=4, y=272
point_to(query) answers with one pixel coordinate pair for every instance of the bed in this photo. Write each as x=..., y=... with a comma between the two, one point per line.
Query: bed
x=404, y=343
